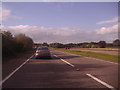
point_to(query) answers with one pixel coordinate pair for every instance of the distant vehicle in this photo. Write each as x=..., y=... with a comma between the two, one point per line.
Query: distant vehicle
x=34, y=47
x=67, y=47
x=42, y=52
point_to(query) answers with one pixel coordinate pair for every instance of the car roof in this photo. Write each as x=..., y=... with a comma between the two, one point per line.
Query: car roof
x=42, y=47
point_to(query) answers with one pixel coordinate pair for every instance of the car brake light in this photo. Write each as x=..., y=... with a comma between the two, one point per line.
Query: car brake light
x=37, y=51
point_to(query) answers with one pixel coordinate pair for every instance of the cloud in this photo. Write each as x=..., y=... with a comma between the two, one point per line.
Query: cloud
x=54, y=31
x=16, y=17
x=64, y=34
x=6, y=14
x=108, y=30
x=108, y=21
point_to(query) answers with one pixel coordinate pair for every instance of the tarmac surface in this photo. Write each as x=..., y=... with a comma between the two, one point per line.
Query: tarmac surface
x=63, y=70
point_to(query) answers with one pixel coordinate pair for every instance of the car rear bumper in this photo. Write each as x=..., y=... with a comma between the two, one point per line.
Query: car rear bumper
x=43, y=55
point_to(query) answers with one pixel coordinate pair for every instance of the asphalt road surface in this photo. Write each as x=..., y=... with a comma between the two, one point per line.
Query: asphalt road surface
x=64, y=70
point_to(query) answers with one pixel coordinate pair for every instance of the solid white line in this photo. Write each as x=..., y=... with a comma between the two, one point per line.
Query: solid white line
x=6, y=78
x=100, y=81
x=67, y=62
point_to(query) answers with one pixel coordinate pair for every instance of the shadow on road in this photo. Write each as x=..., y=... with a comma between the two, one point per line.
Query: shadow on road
x=55, y=58
x=69, y=57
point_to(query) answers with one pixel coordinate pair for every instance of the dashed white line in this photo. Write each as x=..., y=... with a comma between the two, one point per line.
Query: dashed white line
x=55, y=55
x=91, y=76
x=100, y=81
x=65, y=61
x=6, y=78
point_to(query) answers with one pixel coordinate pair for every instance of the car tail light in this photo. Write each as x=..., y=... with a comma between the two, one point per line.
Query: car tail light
x=37, y=51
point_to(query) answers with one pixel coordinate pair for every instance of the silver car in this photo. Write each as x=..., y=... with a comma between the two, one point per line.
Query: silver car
x=42, y=52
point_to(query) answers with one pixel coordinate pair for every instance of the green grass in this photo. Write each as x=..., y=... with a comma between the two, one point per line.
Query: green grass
x=113, y=58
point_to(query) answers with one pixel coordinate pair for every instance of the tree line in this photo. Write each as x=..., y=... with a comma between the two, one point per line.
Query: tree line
x=100, y=44
x=12, y=44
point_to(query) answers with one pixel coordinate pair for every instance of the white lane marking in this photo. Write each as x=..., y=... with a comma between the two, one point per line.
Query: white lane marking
x=55, y=55
x=6, y=78
x=100, y=81
x=65, y=61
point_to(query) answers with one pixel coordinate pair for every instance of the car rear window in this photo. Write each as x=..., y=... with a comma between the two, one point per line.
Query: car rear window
x=42, y=48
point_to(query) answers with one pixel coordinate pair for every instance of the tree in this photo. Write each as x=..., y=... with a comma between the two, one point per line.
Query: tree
x=11, y=45
x=56, y=45
x=102, y=44
x=116, y=42
x=93, y=45
x=8, y=44
x=45, y=44
x=23, y=42
x=85, y=45
x=7, y=34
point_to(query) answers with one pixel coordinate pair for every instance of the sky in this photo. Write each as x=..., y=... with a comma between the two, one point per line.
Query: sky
x=63, y=22
x=60, y=0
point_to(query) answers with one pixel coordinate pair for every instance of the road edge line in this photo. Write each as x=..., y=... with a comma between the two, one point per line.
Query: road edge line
x=7, y=77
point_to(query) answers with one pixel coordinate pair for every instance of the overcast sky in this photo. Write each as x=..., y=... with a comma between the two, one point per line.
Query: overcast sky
x=64, y=22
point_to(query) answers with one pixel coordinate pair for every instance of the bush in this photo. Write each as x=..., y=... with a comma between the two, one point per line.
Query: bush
x=102, y=44
x=8, y=44
x=12, y=45
x=23, y=42
x=116, y=43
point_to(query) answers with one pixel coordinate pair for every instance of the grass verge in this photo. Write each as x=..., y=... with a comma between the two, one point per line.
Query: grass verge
x=113, y=58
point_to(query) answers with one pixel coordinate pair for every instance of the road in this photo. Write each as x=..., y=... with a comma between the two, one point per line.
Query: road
x=64, y=70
